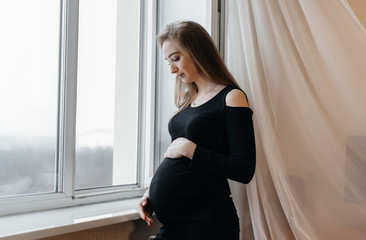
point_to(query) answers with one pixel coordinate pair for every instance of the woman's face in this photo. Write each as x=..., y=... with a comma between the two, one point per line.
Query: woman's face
x=180, y=63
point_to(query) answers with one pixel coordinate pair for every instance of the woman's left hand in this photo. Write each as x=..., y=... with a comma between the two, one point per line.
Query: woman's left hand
x=180, y=147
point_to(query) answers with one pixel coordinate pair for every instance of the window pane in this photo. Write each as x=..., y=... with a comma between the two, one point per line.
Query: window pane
x=107, y=95
x=29, y=60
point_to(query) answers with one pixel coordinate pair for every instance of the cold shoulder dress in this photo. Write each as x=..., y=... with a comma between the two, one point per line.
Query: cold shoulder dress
x=191, y=198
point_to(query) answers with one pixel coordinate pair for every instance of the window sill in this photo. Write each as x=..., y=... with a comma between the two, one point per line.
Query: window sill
x=60, y=221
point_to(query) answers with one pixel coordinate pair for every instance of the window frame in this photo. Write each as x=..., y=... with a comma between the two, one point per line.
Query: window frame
x=65, y=194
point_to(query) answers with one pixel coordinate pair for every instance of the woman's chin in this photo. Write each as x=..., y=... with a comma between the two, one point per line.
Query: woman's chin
x=185, y=80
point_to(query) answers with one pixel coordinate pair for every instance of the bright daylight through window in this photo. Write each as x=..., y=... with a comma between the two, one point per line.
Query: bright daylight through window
x=29, y=65
x=70, y=100
x=107, y=95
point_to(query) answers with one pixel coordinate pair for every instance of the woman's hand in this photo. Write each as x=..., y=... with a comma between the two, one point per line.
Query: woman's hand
x=180, y=147
x=145, y=209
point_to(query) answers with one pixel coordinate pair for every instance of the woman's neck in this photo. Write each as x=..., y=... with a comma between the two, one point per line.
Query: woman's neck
x=204, y=85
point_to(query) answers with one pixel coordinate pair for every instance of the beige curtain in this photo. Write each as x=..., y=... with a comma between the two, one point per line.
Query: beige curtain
x=303, y=65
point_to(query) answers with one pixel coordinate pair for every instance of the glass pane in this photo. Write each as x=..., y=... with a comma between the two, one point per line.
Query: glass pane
x=107, y=95
x=29, y=60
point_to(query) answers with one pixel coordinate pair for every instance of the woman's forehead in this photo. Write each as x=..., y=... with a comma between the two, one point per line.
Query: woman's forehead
x=170, y=47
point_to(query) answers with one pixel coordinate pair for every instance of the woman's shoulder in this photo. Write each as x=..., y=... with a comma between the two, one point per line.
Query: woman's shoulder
x=236, y=98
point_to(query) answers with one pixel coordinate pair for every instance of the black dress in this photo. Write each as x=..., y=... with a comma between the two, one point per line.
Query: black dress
x=191, y=198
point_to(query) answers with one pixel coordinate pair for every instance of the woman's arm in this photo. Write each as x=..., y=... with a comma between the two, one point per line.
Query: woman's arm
x=239, y=164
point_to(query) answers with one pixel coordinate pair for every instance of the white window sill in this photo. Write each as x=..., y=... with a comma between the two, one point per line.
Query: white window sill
x=60, y=221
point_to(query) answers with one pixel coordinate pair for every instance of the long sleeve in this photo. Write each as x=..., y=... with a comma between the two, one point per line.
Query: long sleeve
x=239, y=163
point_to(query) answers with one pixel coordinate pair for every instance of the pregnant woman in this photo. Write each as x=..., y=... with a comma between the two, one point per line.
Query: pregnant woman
x=212, y=141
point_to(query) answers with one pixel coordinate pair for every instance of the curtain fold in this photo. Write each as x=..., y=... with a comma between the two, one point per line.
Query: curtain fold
x=302, y=64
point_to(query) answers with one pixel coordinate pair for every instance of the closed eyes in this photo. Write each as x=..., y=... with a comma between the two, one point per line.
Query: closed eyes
x=175, y=60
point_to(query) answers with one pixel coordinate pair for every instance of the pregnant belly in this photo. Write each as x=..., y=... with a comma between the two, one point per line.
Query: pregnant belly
x=176, y=189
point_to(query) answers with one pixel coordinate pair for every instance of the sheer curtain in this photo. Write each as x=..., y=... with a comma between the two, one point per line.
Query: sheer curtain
x=303, y=65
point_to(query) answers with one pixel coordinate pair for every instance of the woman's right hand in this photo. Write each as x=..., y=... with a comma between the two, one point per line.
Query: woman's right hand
x=145, y=209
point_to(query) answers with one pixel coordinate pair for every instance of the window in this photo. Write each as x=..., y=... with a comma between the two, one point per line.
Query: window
x=72, y=92
x=29, y=63
x=84, y=99
x=107, y=93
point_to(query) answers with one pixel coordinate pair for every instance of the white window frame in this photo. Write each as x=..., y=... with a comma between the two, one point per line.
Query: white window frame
x=65, y=194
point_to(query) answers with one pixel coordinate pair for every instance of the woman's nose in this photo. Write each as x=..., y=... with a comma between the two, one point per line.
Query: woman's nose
x=173, y=68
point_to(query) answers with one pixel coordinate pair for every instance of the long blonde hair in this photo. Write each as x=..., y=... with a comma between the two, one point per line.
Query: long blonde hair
x=194, y=40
